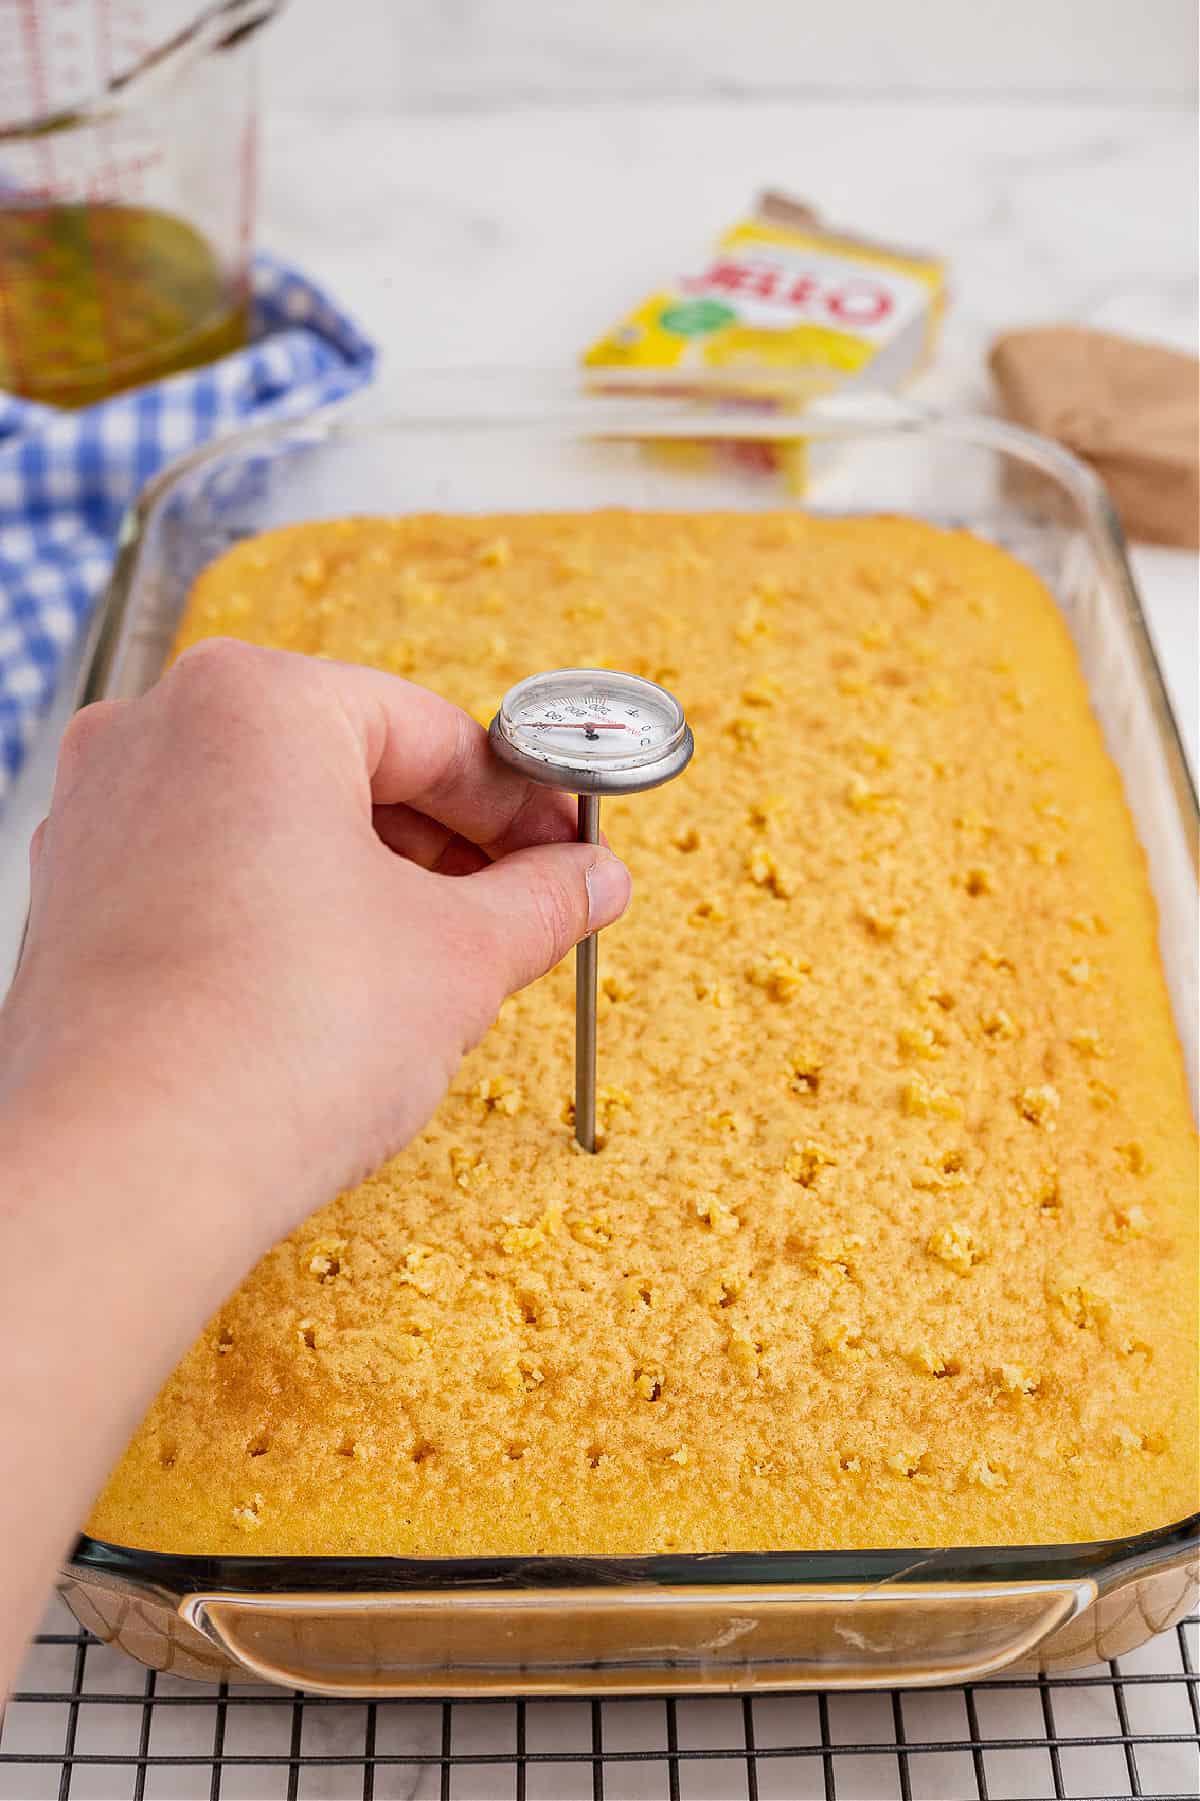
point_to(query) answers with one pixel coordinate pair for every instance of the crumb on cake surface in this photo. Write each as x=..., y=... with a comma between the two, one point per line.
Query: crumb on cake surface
x=891, y=1240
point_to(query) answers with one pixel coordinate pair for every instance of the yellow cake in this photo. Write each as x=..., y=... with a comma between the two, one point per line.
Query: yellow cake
x=891, y=1240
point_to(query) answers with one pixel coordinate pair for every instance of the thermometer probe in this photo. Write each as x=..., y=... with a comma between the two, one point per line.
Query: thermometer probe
x=591, y=732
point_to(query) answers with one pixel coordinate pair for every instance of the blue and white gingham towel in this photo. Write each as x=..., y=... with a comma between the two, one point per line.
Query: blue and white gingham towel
x=66, y=478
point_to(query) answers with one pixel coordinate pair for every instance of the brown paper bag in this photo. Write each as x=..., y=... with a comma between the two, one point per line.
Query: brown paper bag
x=1130, y=410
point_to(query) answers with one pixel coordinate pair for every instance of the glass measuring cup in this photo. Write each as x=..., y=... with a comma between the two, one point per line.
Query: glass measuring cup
x=127, y=188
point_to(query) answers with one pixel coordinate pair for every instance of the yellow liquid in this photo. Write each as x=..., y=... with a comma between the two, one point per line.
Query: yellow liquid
x=94, y=299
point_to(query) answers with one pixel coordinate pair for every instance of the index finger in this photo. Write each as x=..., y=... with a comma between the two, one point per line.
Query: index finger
x=424, y=752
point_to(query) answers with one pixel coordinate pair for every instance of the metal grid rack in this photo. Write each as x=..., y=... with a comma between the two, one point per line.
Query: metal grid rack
x=86, y=1724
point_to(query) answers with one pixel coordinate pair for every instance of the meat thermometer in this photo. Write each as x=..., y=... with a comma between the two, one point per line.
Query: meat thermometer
x=592, y=732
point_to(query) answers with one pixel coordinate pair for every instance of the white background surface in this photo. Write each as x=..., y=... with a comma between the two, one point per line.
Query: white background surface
x=492, y=183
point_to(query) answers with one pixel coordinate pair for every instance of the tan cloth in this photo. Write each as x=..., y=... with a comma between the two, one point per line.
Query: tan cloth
x=1129, y=409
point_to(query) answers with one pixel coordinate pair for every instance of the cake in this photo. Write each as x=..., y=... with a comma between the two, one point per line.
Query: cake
x=891, y=1238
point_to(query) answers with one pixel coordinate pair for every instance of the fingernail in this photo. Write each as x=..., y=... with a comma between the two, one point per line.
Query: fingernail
x=608, y=886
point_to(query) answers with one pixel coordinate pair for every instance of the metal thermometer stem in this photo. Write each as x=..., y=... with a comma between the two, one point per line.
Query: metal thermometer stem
x=590, y=732
x=586, y=960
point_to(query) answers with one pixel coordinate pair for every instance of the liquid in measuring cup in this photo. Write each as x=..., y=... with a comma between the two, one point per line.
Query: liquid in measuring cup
x=127, y=135
x=99, y=297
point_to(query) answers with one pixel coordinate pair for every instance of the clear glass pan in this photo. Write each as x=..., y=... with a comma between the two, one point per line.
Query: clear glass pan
x=383, y=1626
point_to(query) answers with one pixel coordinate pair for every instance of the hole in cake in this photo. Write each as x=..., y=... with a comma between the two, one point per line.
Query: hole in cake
x=259, y=1445
x=347, y=1447
x=168, y=1451
x=909, y=1463
x=309, y=1335
x=880, y=925
x=1049, y=1195
x=325, y=1262
x=423, y=1450
x=224, y=1340
x=515, y=1452
x=530, y=1310
x=953, y=1163
x=950, y=1366
x=998, y=1025
x=978, y=881
x=595, y=1453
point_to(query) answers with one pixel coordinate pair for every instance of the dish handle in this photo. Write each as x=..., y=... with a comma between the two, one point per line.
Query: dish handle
x=634, y=1640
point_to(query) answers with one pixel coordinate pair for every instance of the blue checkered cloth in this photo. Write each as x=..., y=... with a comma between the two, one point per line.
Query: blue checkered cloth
x=66, y=478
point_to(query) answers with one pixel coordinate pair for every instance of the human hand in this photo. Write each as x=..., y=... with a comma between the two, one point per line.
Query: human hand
x=274, y=902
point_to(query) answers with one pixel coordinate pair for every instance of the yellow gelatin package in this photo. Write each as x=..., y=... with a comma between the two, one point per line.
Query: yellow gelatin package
x=782, y=295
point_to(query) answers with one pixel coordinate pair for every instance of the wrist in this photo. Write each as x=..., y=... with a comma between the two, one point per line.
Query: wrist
x=115, y=1257
x=95, y=1158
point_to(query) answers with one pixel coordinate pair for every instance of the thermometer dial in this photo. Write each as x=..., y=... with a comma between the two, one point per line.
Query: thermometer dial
x=592, y=731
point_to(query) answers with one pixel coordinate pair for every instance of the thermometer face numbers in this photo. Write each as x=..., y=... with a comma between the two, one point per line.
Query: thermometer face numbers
x=591, y=728
x=594, y=723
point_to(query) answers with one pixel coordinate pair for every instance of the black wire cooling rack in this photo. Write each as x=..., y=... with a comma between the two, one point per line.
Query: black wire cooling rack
x=86, y=1724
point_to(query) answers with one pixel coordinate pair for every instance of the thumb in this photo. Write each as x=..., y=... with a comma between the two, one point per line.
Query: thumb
x=541, y=901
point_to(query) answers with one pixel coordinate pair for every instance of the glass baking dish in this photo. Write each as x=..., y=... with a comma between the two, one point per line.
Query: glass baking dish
x=406, y=1626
